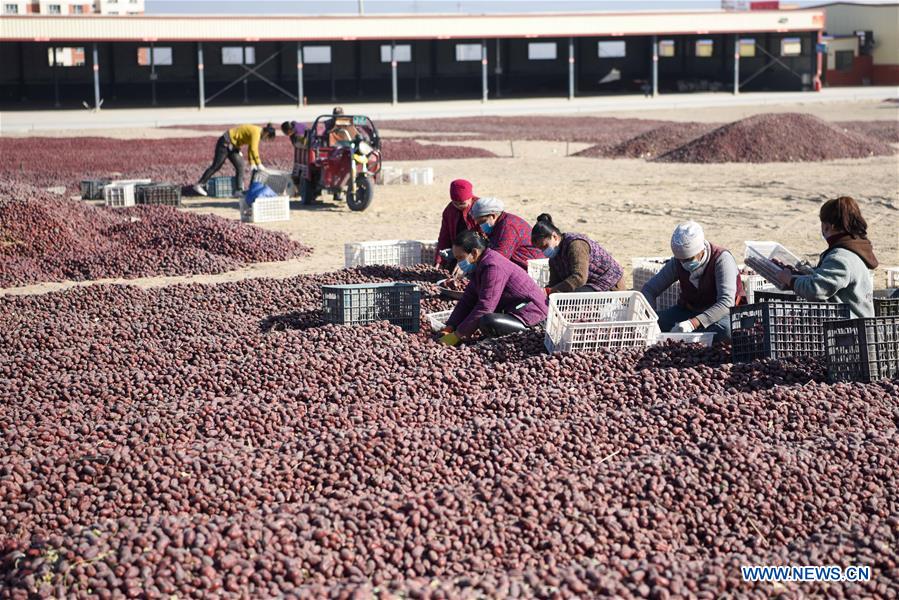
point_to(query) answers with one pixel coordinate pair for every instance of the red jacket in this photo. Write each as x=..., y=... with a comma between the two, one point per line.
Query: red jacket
x=511, y=237
x=453, y=222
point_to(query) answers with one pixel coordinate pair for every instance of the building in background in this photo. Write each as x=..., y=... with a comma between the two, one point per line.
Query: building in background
x=862, y=44
x=73, y=7
x=148, y=60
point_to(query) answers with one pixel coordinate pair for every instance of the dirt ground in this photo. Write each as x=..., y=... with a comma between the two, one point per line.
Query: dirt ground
x=629, y=206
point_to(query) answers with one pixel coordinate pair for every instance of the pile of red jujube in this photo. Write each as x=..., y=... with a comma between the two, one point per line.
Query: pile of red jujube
x=44, y=237
x=223, y=441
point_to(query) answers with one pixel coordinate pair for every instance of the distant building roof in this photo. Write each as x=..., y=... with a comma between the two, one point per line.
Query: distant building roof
x=380, y=27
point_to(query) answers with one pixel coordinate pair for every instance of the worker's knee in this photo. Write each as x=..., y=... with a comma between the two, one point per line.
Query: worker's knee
x=499, y=324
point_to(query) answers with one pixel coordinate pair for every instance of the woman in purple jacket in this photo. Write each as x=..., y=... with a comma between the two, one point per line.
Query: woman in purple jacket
x=500, y=299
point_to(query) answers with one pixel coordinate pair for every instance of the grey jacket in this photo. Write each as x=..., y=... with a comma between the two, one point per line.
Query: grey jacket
x=726, y=271
x=841, y=277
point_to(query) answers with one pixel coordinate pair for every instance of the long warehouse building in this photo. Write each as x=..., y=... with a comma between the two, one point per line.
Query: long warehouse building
x=143, y=60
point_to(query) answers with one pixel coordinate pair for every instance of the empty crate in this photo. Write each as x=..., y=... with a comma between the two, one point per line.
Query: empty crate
x=354, y=304
x=168, y=194
x=886, y=303
x=644, y=268
x=893, y=277
x=265, y=210
x=538, y=269
x=119, y=195
x=402, y=253
x=778, y=329
x=585, y=322
x=279, y=181
x=92, y=189
x=862, y=349
x=222, y=187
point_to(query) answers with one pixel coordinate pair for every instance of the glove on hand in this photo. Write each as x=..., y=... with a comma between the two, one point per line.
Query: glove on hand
x=683, y=327
x=450, y=339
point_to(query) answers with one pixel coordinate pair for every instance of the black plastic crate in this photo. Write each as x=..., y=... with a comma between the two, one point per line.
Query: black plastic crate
x=862, y=349
x=354, y=304
x=777, y=329
x=222, y=187
x=92, y=189
x=886, y=303
x=278, y=181
x=168, y=194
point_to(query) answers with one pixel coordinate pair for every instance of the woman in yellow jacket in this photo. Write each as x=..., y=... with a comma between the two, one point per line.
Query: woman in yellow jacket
x=228, y=147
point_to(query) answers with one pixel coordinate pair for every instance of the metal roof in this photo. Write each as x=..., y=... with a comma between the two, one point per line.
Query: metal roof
x=400, y=27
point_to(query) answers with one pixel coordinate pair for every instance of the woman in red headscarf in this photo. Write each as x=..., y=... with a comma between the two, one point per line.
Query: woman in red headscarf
x=456, y=219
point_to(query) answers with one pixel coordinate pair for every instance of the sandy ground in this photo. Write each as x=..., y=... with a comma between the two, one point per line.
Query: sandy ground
x=629, y=206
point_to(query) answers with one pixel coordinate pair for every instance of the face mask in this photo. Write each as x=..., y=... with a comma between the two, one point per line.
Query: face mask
x=486, y=228
x=691, y=265
x=550, y=251
x=465, y=266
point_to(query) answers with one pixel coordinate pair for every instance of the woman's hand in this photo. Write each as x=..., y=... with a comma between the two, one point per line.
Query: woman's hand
x=785, y=279
x=457, y=273
x=450, y=339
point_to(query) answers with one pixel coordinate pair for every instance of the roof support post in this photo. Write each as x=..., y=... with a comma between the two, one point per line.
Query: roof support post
x=655, y=66
x=55, y=70
x=393, y=88
x=736, y=64
x=483, y=70
x=300, y=100
x=200, y=78
x=96, y=68
x=571, y=68
x=153, y=73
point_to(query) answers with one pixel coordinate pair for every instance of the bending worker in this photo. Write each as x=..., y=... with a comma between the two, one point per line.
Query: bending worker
x=456, y=219
x=228, y=146
x=508, y=234
x=842, y=271
x=576, y=263
x=710, y=284
x=500, y=298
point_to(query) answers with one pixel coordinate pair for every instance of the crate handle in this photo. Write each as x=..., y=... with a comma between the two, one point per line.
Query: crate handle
x=844, y=339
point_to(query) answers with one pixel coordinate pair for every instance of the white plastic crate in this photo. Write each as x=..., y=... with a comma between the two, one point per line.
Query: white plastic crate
x=119, y=195
x=644, y=268
x=893, y=277
x=402, y=253
x=438, y=319
x=753, y=282
x=538, y=269
x=134, y=181
x=265, y=210
x=389, y=176
x=586, y=322
x=420, y=176
x=697, y=337
x=428, y=251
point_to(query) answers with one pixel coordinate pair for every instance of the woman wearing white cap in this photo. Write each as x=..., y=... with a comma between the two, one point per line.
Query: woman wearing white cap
x=709, y=281
x=508, y=234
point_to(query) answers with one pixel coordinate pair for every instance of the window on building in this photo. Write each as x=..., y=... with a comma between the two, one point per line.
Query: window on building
x=77, y=9
x=238, y=55
x=317, y=55
x=666, y=48
x=403, y=53
x=611, y=49
x=66, y=57
x=791, y=46
x=54, y=9
x=162, y=56
x=844, y=60
x=543, y=51
x=747, y=48
x=468, y=52
x=10, y=9
x=705, y=48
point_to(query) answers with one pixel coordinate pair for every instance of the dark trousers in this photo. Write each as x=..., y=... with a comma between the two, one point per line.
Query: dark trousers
x=223, y=150
x=500, y=324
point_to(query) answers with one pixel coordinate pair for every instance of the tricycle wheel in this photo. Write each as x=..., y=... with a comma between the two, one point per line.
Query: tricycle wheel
x=308, y=192
x=363, y=196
